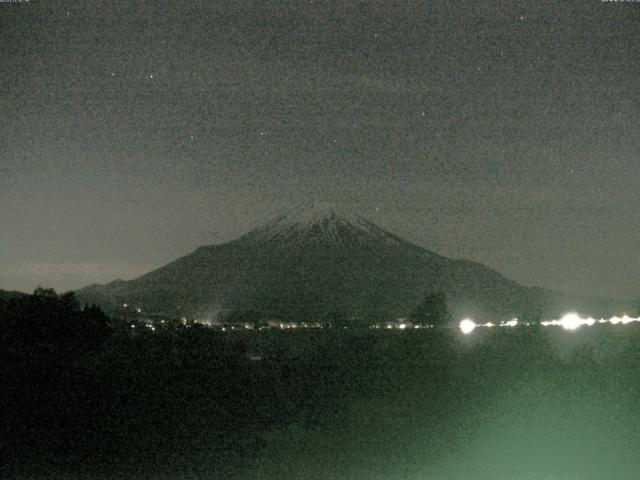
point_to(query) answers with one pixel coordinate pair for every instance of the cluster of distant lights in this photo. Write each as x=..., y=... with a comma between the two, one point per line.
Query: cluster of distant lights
x=570, y=321
x=126, y=305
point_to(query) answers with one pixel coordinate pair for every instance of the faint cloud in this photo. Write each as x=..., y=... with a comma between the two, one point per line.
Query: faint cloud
x=78, y=268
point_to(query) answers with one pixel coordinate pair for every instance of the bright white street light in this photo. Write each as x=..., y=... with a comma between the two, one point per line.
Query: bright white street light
x=467, y=326
x=571, y=321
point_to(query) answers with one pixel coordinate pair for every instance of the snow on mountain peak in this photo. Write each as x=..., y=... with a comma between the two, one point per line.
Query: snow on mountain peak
x=316, y=213
x=320, y=222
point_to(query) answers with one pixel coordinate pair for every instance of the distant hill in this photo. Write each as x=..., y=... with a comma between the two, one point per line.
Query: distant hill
x=317, y=262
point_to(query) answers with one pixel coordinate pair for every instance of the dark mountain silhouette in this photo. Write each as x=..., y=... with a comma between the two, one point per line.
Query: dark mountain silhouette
x=317, y=263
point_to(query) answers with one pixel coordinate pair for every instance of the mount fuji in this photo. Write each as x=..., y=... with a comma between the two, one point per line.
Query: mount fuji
x=318, y=261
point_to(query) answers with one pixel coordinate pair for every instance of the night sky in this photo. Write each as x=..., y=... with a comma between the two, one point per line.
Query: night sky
x=502, y=132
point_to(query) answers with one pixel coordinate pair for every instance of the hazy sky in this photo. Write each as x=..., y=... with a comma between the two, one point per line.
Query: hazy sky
x=503, y=132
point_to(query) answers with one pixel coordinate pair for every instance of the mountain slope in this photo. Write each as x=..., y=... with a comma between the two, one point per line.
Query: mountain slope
x=317, y=262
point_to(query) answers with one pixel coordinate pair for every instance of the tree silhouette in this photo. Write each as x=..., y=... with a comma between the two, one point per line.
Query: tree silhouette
x=432, y=310
x=48, y=323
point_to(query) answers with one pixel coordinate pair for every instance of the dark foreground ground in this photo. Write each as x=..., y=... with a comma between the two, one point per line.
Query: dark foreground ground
x=518, y=403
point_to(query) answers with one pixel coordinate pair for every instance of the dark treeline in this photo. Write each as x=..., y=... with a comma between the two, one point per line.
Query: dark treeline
x=91, y=396
x=46, y=323
x=87, y=395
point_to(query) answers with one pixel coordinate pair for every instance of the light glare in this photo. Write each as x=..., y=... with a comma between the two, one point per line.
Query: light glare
x=571, y=321
x=467, y=326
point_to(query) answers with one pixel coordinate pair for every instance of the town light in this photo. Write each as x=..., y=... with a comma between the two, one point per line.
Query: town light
x=467, y=326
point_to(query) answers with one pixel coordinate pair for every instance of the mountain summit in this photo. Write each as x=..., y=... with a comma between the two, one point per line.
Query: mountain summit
x=318, y=262
x=319, y=222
